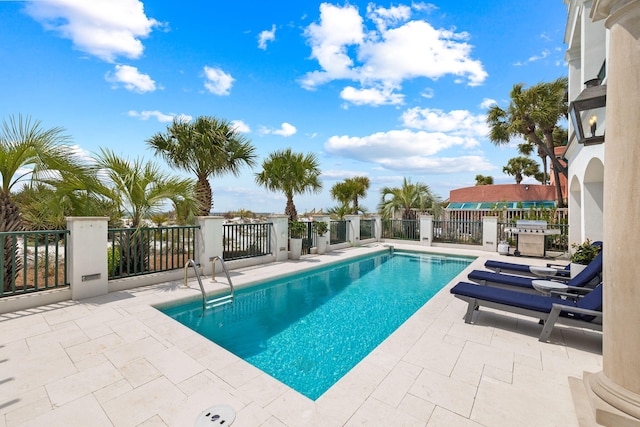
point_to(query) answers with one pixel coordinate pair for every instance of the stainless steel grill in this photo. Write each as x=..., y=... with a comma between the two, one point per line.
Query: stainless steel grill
x=531, y=237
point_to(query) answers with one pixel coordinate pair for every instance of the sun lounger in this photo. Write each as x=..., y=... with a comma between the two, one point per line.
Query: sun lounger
x=583, y=312
x=588, y=277
x=525, y=269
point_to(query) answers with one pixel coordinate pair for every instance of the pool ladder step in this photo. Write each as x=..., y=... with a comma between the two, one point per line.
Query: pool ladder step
x=216, y=302
x=226, y=299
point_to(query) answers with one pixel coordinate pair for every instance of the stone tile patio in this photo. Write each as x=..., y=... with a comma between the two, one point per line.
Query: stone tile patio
x=117, y=361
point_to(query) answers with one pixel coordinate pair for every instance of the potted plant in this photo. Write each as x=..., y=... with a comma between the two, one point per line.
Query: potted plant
x=297, y=230
x=321, y=228
x=582, y=255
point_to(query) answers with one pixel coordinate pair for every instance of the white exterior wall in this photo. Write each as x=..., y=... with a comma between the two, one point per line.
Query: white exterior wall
x=587, y=49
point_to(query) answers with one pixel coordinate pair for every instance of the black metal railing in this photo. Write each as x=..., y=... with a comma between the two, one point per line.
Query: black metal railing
x=246, y=240
x=338, y=232
x=367, y=229
x=404, y=229
x=133, y=252
x=460, y=232
x=33, y=261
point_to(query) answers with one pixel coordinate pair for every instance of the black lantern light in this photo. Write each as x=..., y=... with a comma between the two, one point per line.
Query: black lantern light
x=587, y=113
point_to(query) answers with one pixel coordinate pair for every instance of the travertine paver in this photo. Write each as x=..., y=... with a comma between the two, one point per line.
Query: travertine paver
x=116, y=361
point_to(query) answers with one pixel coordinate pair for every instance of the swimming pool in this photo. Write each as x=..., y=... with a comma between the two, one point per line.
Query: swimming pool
x=308, y=330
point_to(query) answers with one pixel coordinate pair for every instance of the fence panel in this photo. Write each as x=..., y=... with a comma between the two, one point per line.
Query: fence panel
x=246, y=240
x=461, y=232
x=133, y=252
x=405, y=229
x=33, y=261
x=338, y=232
x=366, y=229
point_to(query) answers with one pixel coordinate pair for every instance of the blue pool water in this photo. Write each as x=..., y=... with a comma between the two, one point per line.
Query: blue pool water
x=309, y=330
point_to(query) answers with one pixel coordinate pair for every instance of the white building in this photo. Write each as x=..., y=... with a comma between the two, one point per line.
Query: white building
x=586, y=55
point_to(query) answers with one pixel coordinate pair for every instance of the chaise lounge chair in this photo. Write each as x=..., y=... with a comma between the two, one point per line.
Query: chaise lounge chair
x=526, y=270
x=588, y=277
x=584, y=312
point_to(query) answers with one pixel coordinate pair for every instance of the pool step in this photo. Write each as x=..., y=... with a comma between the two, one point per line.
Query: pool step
x=227, y=299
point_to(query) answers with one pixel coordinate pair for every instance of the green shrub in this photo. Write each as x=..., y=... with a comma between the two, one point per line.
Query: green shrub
x=584, y=253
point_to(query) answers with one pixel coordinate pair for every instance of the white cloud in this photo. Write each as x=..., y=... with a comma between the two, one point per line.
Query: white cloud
x=240, y=126
x=545, y=53
x=456, y=122
x=336, y=175
x=159, y=116
x=266, y=36
x=131, y=79
x=285, y=130
x=371, y=96
x=217, y=81
x=384, y=17
x=103, y=28
x=409, y=151
x=397, y=49
x=487, y=103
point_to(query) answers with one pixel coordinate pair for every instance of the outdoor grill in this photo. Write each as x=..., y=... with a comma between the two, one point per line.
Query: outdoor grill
x=531, y=237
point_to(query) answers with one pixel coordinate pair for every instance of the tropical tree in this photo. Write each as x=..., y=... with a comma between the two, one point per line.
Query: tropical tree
x=28, y=154
x=292, y=173
x=207, y=147
x=522, y=166
x=141, y=190
x=350, y=190
x=407, y=198
x=484, y=180
x=533, y=114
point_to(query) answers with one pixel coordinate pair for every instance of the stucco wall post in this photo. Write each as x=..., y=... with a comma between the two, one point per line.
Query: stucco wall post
x=280, y=236
x=327, y=220
x=426, y=230
x=209, y=242
x=87, y=256
x=377, y=226
x=353, y=229
x=490, y=233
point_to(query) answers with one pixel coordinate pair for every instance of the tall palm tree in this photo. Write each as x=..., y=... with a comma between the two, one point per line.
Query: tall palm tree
x=292, y=173
x=140, y=188
x=141, y=191
x=521, y=166
x=28, y=153
x=350, y=190
x=534, y=114
x=207, y=147
x=407, y=198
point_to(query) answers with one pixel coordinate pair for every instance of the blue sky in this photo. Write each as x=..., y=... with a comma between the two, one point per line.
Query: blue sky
x=383, y=90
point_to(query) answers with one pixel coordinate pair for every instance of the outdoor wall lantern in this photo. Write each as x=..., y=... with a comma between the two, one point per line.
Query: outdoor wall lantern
x=587, y=113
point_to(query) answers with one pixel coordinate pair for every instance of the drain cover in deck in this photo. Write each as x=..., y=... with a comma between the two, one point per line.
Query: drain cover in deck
x=218, y=415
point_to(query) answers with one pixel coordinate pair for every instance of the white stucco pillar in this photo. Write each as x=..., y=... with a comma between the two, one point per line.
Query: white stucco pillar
x=377, y=226
x=490, y=233
x=209, y=242
x=426, y=230
x=353, y=229
x=617, y=386
x=87, y=256
x=327, y=220
x=280, y=236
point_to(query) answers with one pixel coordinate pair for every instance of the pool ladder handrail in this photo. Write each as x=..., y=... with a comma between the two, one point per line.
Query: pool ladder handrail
x=217, y=301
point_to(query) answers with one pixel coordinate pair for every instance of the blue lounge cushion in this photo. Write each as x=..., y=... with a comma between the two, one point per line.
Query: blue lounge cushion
x=540, y=303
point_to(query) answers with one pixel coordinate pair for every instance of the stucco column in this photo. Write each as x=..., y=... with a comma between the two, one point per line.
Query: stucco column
x=353, y=229
x=618, y=385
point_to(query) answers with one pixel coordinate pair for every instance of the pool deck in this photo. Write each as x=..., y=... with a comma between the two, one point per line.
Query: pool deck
x=117, y=361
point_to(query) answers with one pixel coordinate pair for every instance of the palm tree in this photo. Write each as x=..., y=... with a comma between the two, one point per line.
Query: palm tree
x=349, y=190
x=207, y=147
x=521, y=166
x=141, y=191
x=43, y=153
x=407, y=198
x=292, y=173
x=533, y=113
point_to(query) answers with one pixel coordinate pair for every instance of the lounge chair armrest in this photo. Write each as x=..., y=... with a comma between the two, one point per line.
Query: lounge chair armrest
x=554, y=265
x=577, y=310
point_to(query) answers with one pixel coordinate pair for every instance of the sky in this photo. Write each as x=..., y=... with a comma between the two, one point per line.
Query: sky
x=382, y=90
